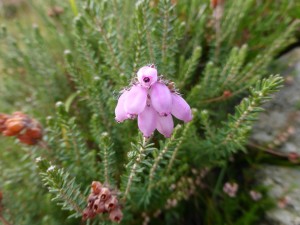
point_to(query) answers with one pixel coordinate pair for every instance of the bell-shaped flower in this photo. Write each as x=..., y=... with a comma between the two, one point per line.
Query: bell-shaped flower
x=181, y=109
x=147, y=76
x=161, y=99
x=165, y=125
x=147, y=121
x=120, y=112
x=135, y=101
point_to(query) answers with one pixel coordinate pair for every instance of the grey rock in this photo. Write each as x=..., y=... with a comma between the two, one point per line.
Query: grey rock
x=279, y=128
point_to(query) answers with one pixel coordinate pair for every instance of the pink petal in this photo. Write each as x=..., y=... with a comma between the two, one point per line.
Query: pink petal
x=165, y=125
x=135, y=101
x=147, y=121
x=161, y=99
x=147, y=76
x=181, y=109
x=120, y=112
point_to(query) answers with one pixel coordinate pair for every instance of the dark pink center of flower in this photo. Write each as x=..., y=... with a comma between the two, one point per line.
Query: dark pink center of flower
x=146, y=79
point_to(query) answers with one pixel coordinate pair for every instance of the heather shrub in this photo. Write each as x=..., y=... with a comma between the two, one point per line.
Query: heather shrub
x=68, y=65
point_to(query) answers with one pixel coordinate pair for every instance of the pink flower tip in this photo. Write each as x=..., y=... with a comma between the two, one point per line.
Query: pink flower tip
x=147, y=76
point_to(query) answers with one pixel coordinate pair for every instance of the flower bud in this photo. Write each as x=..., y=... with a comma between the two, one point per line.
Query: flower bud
x=116, y=215
x=111, y=203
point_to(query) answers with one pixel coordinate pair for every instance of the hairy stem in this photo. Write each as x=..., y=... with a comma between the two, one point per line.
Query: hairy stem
x=105, y=166
x=171, y=162
x=165, y=33
x=134, y=167
x=160, y=157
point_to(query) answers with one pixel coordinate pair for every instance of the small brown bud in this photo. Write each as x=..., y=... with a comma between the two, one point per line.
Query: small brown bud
x=13, y=126
x=293, y=157
x=116, y=215
x=96, y=187
x=104, y=194
x=24, y=138
x=99, y=206
x=111, y=203
x=227, y=94
x=35, y=133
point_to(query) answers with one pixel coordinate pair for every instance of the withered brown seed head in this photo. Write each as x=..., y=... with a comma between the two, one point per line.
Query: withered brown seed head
x=88, y=214
x=104, y=194
x=116, y=215
x=96, y=187
x=99, y=206
x=111, y=203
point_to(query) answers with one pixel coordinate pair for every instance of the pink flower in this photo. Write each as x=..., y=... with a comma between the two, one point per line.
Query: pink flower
x=120, y=112
x=147, y=121
x=152, y=102
x=135, y=101
x=161, y=99
x=147, y=76
x=180, y=109
x=256, y=196
x=165, y=125
x=230, y=189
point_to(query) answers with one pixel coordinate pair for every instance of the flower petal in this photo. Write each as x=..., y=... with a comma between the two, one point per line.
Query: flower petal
x=161, y=99
x=181, y=109
x=165, y=125
x=120, y=112
x=147, y=76
x=147, y=121
x=135, y=101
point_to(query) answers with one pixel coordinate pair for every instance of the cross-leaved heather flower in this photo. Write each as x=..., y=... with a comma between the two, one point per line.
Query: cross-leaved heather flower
x=153, y=102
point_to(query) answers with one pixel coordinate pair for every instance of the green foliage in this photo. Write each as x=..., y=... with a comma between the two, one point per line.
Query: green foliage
x=68, y=71
x=63, y=186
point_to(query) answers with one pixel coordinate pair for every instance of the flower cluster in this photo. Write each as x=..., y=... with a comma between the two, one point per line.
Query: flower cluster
x=102, y=200
x=27, y=130
x=153, y=102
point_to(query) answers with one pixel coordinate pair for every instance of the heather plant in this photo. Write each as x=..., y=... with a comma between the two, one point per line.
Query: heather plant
x=84, y=65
